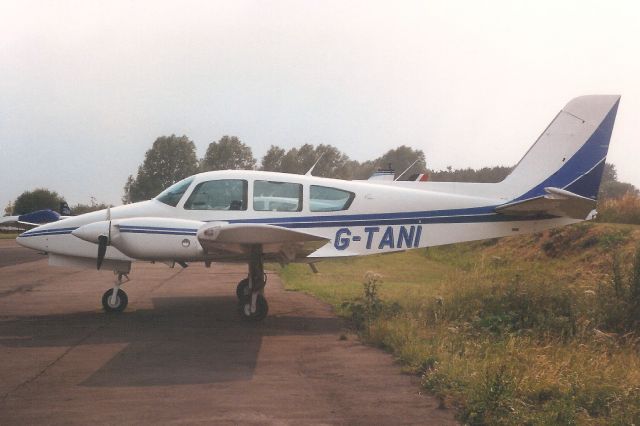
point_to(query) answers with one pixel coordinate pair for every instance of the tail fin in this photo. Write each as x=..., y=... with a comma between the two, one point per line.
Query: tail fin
x=570, y=154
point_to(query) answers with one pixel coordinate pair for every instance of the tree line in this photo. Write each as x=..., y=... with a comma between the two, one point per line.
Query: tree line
x=172, y=158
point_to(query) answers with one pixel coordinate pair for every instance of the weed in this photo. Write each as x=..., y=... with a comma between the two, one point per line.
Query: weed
x=368, y=307
x=620, y=210
x=614, y=239
x=618, y=301
x=492, y=403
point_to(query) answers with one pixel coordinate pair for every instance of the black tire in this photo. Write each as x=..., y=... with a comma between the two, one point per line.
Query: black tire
x=121, y=301
x=262, y=309
x=242, y=291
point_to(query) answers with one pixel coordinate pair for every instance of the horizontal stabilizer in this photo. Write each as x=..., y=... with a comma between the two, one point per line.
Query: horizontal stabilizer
x=556, y=202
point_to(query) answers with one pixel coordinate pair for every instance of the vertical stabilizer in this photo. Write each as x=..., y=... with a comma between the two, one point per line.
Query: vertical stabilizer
x=570, y=154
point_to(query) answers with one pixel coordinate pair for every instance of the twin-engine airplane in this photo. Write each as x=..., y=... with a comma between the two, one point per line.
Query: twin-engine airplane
x=255, y=216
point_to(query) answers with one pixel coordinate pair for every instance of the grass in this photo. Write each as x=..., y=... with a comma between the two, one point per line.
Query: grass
x=536, y=329
x=625, y=209
x=9, y=236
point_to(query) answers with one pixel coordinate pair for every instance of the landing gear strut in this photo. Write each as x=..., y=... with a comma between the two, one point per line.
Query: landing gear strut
x=115, y=299
x=252, y=305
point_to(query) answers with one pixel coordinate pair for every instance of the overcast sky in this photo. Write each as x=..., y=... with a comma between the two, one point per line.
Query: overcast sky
x=86, y=87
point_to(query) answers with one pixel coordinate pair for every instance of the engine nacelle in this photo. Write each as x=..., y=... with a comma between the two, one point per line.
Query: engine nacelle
x=155, y=238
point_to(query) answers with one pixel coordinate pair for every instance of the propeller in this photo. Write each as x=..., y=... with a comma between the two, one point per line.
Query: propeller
x=104, y=241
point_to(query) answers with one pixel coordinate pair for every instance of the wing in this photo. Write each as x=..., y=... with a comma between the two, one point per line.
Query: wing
x=12, y=222
x=238, y=238
x=556, y=202
x=30, y=220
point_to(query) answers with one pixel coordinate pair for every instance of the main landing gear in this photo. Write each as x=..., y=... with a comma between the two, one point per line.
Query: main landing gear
x=252, y=306
x=115, y=299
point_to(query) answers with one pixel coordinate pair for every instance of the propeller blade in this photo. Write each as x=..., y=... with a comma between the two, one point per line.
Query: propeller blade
x=103, y=242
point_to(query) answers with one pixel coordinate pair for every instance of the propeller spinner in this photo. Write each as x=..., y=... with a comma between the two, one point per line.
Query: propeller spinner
x=97, y=233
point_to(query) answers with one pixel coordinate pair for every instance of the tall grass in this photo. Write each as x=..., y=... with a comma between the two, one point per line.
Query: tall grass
x=506, y=331
x=620, y=210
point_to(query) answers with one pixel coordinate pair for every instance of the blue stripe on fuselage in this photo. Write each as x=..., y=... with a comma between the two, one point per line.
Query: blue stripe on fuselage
x=469, y=215
x=149, y=231
x=473, y=211
x=52, y=231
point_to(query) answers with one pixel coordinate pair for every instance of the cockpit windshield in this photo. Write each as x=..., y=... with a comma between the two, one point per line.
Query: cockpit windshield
x=174, y=193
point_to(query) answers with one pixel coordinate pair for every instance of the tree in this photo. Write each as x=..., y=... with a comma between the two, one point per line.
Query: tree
x=403, y=157
x=610, y=187
x=170, y=159
x=298, y=160
x=331, y=161
x=399, y=159
x=38, y=199
x=229, y=153
x=8, y=210
x=127, y=197
x=272, y=160
x=86, y=208
x=485, y=174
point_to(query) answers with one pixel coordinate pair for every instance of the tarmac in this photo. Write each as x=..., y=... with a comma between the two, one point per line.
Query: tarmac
x=180, y=354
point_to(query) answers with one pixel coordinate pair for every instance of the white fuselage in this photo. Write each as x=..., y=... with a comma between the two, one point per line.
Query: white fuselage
x=381, y=218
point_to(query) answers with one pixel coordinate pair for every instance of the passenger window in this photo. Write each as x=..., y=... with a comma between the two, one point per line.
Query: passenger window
x=325, y=199
x=277, y=196
x=223, y=194
x=174, y=193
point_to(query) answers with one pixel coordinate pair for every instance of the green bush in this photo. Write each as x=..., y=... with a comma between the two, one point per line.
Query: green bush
x=514, y=307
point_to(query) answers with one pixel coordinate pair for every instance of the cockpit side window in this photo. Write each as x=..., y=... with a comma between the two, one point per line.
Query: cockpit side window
x=277, y=196
x=174, y=193
x=222, y=194
x=326, y=199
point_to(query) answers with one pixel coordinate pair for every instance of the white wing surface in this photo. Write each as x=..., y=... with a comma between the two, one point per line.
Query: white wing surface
x=238, y=238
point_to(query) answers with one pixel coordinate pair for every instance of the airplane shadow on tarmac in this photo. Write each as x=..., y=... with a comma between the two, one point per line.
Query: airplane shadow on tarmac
x=182, y=340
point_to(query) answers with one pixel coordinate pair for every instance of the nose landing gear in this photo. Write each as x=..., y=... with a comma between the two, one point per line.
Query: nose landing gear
x=252, y=305
x=115, y=299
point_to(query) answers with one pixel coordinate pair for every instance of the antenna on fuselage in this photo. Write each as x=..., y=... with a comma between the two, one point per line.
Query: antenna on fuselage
x=406, y=170
x=314, y=165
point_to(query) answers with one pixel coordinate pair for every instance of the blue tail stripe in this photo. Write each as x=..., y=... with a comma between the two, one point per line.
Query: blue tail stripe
x=583, y=162
x=588, y=184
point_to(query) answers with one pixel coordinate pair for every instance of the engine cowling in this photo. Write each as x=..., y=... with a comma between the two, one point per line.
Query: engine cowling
x=148, y=238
